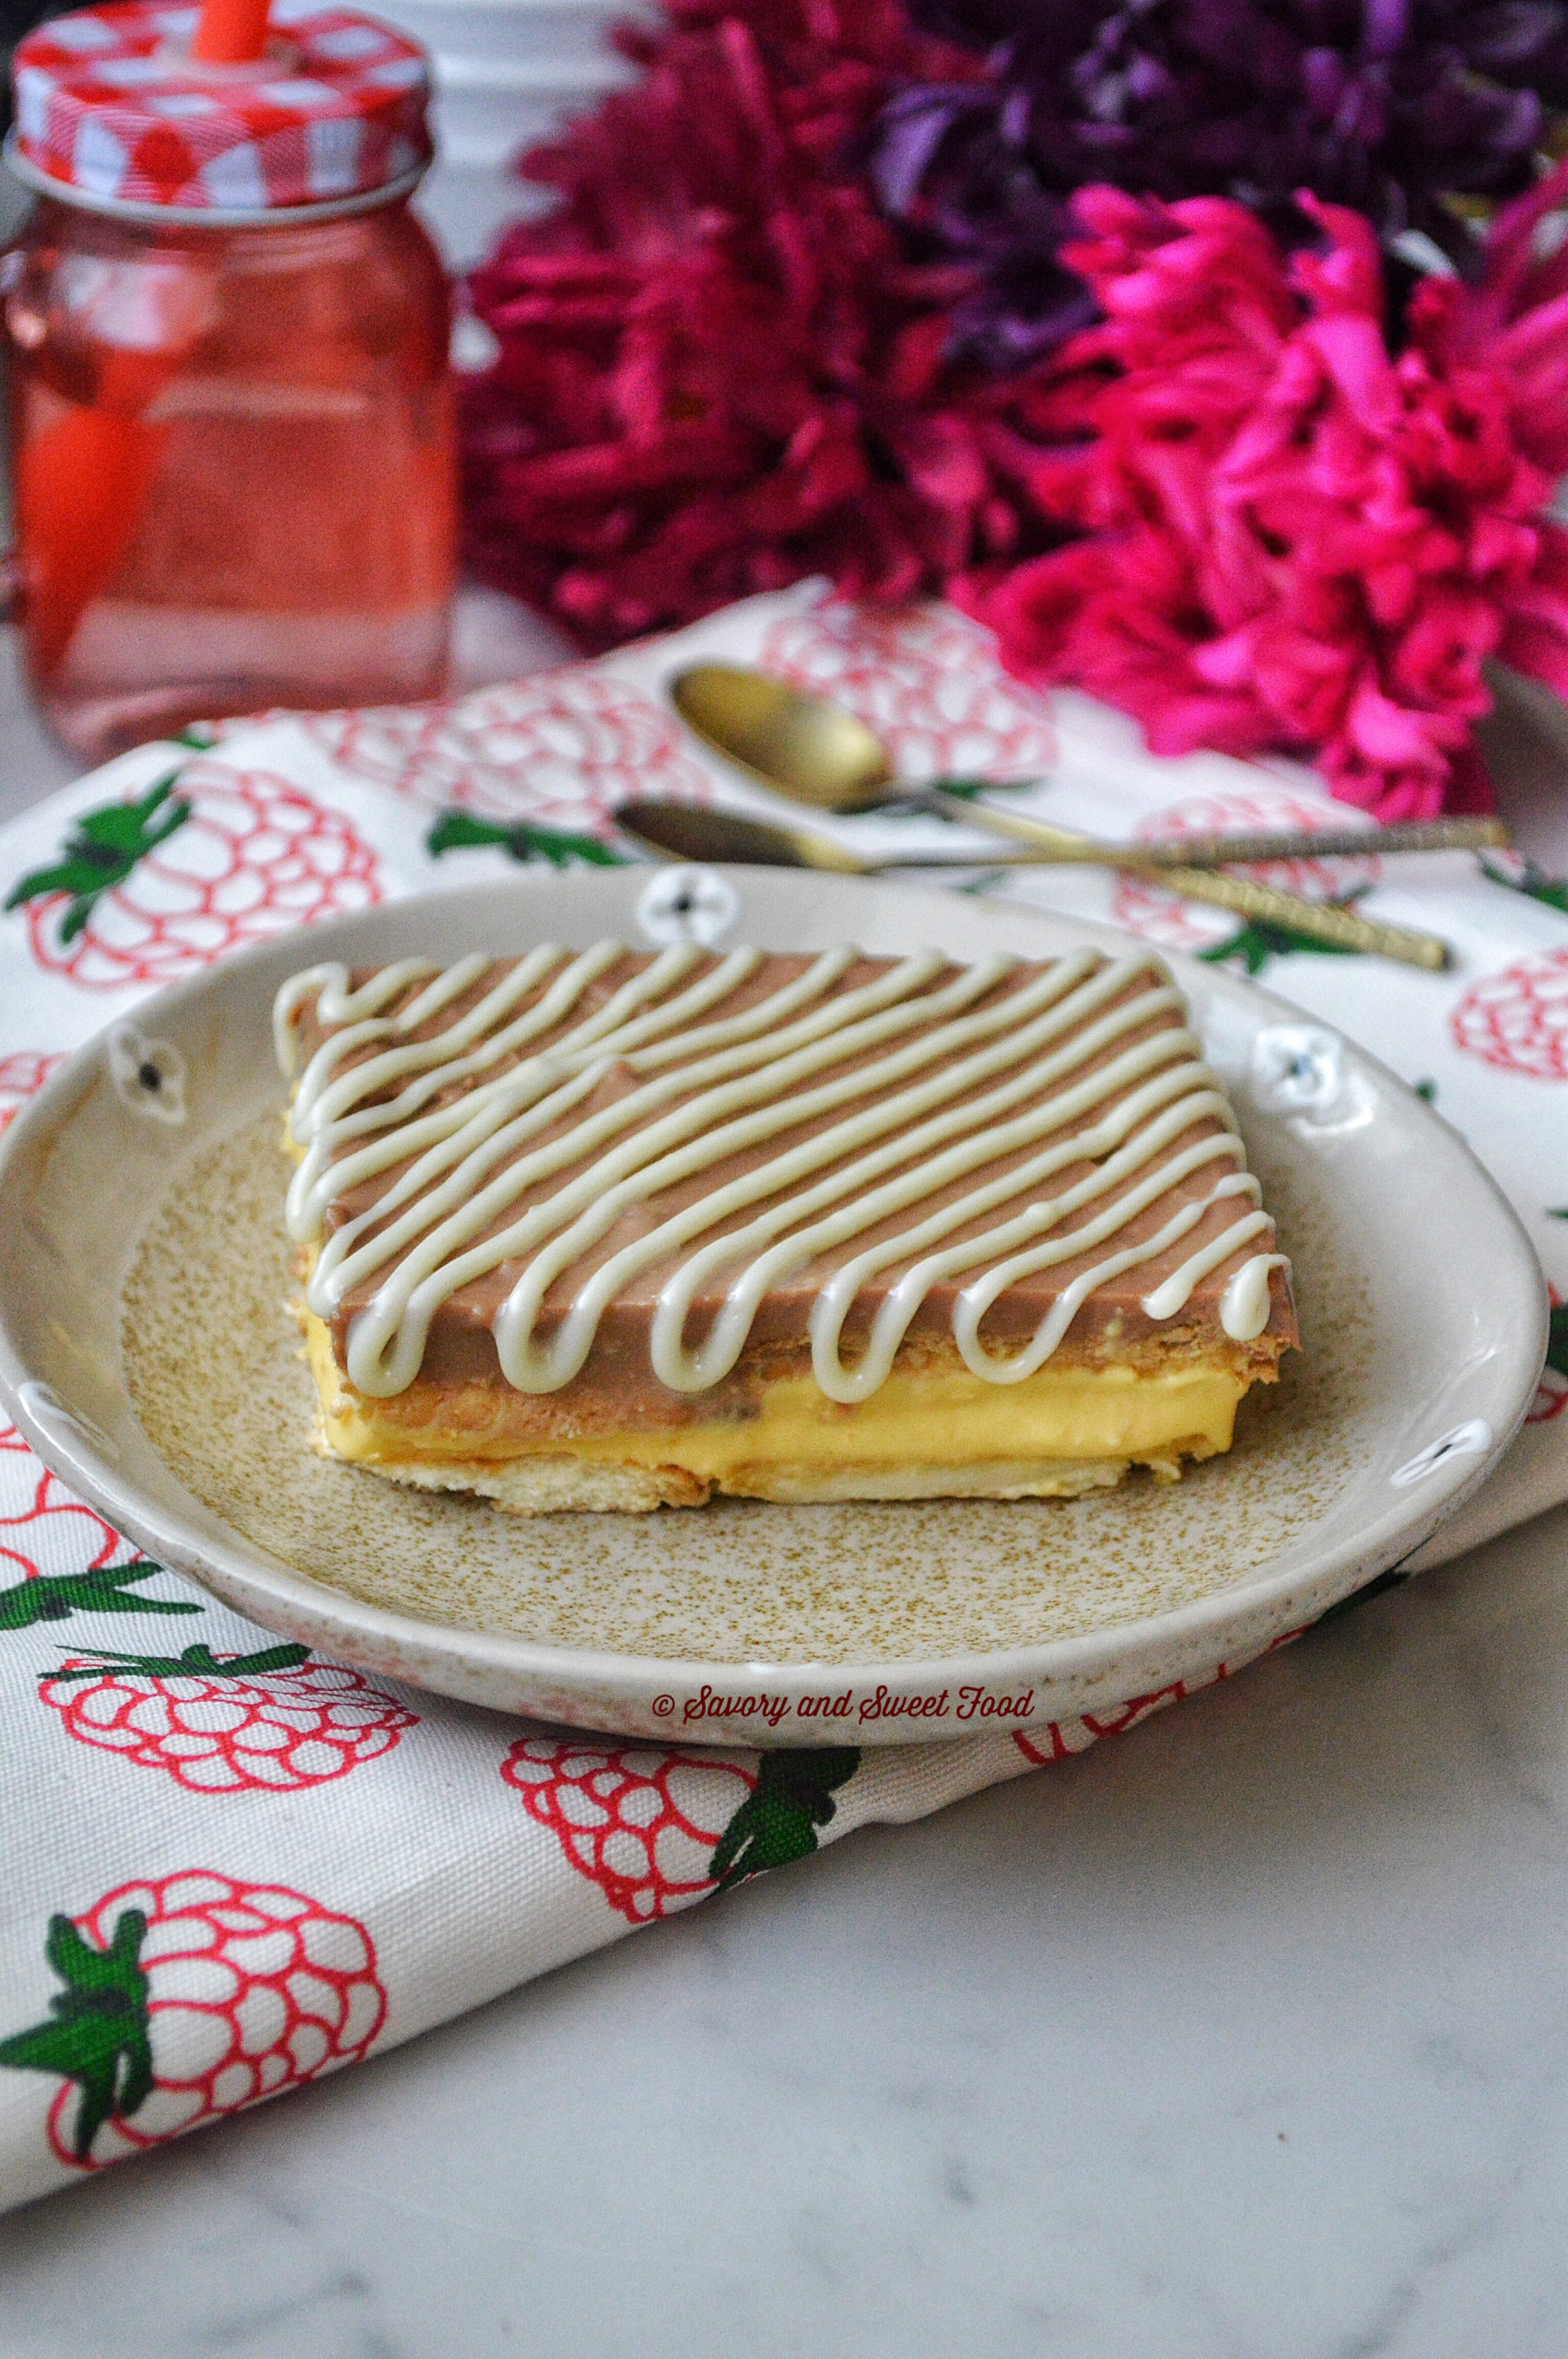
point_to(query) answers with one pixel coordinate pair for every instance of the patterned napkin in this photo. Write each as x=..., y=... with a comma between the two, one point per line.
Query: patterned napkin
x=229, y=1866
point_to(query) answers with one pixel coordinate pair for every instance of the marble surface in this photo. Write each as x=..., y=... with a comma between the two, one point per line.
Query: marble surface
x=1245, y=2036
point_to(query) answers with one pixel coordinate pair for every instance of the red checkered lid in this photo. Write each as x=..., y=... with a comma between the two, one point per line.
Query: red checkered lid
x=111, y=105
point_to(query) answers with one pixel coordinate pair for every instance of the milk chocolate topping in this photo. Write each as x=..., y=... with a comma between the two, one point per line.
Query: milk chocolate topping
x=847, y=1151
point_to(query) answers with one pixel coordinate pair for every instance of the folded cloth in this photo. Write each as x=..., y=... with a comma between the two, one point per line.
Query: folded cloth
x=291, y=1865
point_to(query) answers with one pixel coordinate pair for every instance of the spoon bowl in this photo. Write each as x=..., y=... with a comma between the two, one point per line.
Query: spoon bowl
x=808, y=746
x=692, y=831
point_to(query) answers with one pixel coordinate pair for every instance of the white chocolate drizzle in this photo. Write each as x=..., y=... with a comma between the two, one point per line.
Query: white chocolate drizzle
x=1244, y=1307
x=918, y=1080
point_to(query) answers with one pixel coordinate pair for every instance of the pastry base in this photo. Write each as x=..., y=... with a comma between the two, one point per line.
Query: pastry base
x=929, y=1432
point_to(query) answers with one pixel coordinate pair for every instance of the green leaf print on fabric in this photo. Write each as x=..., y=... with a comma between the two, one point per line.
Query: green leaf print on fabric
x=192, y=1661
x=1257, y=942
x=967, y=789
x=101, y=851
x=1557, y=1339
x=779, y=1819
x=458, y=831
x=52, y=1597
x=1533, y=882
x=98, y=2032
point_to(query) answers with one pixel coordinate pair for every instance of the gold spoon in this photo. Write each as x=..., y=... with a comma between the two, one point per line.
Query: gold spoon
x=690, y=831
x=816, y=752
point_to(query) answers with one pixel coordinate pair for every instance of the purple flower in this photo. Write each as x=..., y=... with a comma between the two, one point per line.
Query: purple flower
x=1390, y=106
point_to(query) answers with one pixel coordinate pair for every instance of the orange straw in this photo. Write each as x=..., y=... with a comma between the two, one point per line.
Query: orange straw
x=80, y=485
x=232, y=32
x=82, y=482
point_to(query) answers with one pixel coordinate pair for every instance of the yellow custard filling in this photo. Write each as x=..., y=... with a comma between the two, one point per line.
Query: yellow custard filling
x=934, y=1417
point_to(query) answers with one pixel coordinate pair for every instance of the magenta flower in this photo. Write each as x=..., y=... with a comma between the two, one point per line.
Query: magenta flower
x=1292, y=539
x=717, y=368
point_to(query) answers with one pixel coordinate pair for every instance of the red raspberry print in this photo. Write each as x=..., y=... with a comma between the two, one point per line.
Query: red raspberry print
x=215, y=1722
x=1147, y=909
x=656, y=1830
x=1518, y=1020
x=48, y=1521
x=927, y=681
x=208, y=859
x=560, y=748
x=642, y=1826
x=187, y=1998
x=68, y=1558
x=1060, y=1739
x=19, y=1076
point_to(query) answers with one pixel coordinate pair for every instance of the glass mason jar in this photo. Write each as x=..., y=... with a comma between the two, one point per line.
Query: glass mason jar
x=234, y=464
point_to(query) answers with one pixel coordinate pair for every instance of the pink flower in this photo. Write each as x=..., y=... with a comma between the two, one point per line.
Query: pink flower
x=1288, y=537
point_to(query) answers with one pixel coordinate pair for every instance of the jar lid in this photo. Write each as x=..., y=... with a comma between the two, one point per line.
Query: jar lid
x=112, y=108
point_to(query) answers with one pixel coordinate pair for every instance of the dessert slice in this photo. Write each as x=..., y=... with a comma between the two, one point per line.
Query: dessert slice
x=604, y=1229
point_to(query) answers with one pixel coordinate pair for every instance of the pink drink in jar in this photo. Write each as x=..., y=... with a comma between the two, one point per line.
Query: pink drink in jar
x=232, y=423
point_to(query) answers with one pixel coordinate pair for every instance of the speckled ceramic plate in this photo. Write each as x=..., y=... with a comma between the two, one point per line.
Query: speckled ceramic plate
x=146, y=1353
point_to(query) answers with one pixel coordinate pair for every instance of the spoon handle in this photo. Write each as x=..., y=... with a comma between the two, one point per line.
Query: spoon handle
x=1342, y=928
x=1231, y=849
x=1434, y=835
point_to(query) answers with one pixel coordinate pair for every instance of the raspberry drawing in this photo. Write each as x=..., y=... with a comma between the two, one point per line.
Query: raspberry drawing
x=217, y=1722
x=929, y=683
x=1518, y=1020
x=207, y=860
x=558, y=748
x=185, y=1998
x=657, y=1830
x=20, y=1075
x=1058, y=1740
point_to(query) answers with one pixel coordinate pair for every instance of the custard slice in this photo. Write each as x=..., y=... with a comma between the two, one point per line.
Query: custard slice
x=607, y=1229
